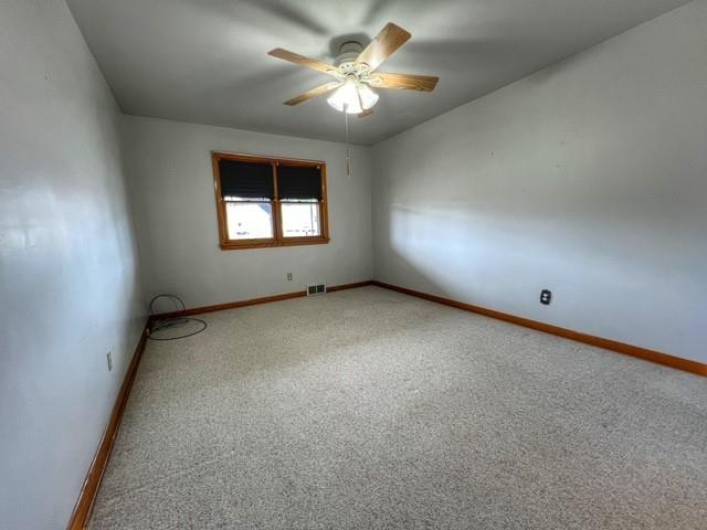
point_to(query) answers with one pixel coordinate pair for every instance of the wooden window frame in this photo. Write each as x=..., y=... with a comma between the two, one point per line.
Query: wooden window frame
x=278, y=240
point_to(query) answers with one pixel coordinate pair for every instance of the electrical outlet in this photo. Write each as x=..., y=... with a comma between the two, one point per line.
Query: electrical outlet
x=109, y=358
x=289, y=276
x=545, y=297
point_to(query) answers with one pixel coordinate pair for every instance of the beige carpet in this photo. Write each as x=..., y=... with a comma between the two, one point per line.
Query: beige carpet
x=371, y=409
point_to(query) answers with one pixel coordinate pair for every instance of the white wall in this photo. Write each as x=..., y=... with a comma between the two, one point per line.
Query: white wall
x=68, y=280
x=588, y=178
x=172, y=183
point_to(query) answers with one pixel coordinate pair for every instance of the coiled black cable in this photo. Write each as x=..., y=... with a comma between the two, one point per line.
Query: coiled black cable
x=160, y=323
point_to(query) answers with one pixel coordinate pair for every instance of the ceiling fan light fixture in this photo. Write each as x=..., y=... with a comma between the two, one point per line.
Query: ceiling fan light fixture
x=356, y=71
x=353, y=97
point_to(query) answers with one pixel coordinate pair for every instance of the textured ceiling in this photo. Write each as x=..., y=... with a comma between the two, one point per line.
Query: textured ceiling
x=205, y=61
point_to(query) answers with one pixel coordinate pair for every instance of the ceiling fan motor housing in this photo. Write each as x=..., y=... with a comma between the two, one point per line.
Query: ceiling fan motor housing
x=348, y=52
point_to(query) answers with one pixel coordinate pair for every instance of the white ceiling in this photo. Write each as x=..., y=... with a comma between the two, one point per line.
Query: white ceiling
x=205, y=61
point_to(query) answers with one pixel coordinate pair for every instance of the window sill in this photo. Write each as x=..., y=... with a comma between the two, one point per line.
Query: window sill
x=269, y=243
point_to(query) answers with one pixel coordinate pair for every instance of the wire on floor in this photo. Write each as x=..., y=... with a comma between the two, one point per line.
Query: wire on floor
x=162, y=326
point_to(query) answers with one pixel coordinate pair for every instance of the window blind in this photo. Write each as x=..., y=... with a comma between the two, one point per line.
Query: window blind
x=297, y=182
x=246, y=180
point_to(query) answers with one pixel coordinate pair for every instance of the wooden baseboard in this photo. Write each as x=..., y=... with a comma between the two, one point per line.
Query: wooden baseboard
x=256, y=301
x=89, y=490
x=349, y=286
x=619, y=347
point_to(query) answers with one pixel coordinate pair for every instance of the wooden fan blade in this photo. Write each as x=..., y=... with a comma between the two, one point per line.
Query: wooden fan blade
x=423, y=83
x=383, y=46
x=301, y=60
x=316, y=91
x=365, y=113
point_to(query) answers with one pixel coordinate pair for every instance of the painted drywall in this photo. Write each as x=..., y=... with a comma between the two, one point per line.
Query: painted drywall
x=68, y=284
x=172, y=182
x=588, y=178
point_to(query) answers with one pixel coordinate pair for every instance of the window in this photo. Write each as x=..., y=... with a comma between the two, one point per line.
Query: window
x=267, y=202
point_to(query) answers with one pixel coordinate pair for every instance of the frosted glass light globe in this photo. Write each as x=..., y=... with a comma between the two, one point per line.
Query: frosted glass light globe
x=353, y=97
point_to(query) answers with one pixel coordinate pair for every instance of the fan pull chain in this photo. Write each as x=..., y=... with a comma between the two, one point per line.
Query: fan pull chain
x=348, y=146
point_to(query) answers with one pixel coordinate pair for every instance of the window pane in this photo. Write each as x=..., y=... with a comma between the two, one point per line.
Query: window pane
x=249, y=220
x=300, y=219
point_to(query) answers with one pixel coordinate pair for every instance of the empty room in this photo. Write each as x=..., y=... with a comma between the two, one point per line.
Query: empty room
x=353, y=264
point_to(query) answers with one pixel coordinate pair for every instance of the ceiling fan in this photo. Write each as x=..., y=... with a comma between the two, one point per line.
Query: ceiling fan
x=356, y=73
